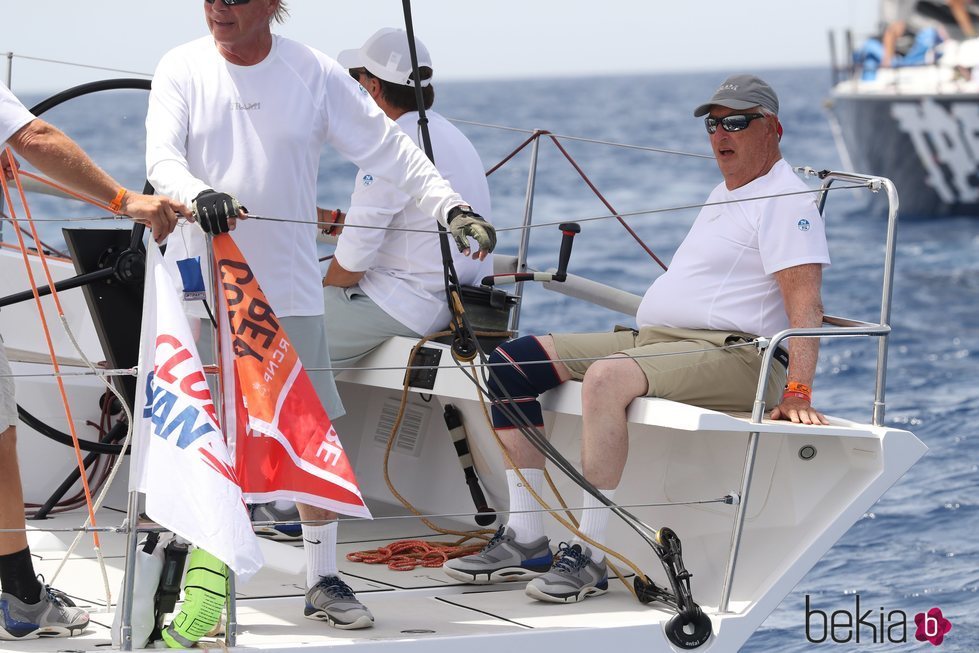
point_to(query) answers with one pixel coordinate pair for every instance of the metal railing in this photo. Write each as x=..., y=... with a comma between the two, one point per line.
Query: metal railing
x=834, y=327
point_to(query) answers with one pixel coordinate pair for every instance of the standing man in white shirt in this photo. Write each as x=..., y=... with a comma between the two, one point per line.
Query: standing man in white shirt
x=243, y=114
x=28, y=607
x=384, y=283
x=745, y=269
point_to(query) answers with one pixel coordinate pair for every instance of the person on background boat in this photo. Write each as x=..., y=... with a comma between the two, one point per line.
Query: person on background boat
x=745, y=269
x=28, y=607
x=390, y=283
x=909, y=39
x=243, y=114
x=898, y=14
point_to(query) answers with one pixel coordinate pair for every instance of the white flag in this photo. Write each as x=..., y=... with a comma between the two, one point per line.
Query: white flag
x=181, y=460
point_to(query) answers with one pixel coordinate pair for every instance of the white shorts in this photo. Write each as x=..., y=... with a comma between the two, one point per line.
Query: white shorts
x=8, y=399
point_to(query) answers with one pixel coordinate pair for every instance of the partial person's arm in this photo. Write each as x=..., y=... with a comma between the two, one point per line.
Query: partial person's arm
x=372, y=208
x=892, y=33
x=60, y=158
x=361, y=132
x=960, y=10
x=336, y=275
x=800, y=286
x=167, y=121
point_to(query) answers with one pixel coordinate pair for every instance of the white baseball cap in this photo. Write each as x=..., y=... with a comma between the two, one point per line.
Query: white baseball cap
x=385, y=55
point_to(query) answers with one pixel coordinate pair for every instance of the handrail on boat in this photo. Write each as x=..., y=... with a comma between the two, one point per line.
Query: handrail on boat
x=837, y=327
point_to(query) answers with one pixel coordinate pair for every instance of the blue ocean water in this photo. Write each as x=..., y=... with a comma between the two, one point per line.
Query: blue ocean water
x=916, y=549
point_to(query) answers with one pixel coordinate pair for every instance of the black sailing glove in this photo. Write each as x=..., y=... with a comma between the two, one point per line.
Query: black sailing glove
x=213, y=209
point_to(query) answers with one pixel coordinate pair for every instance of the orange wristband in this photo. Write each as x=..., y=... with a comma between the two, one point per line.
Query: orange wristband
x=795, y=386
x=116, y=204
x=800, y=395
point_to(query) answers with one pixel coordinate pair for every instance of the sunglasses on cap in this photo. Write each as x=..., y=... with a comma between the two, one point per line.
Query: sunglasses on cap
x=733, y=123
x=229, y=3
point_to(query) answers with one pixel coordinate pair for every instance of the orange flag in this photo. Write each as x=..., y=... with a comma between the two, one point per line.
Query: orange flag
x=285, y=445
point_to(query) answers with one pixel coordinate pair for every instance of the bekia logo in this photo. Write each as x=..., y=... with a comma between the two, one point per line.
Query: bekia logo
x=932, y=626
x=880, y=626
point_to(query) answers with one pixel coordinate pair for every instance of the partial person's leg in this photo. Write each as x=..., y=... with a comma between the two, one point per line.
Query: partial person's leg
x=16, y=567
x=522, y=370
x=608, y=387
x=328, y=598
x=28, y=608
x=356, y=325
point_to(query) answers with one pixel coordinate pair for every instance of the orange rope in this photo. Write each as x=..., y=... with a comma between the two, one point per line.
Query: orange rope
x=44, y=323
x=405, y=555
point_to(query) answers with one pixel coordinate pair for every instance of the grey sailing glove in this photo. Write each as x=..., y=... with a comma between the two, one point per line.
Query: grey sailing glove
x=464, y=223
x=213, y=209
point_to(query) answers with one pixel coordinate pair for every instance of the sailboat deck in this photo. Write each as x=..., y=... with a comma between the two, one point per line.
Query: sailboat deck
x=419, y=606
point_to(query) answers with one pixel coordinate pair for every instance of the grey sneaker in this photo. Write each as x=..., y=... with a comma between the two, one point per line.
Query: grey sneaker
x=333, y=601
x=53, y=616
x=574, y=577
x=502, y=559
x=267, y=512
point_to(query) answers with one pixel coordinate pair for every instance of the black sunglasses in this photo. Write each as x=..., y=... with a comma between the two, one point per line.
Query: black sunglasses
x=230, y=3
x=733, y=123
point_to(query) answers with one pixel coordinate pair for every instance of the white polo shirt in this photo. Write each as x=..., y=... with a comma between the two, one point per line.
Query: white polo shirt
x=722, y=276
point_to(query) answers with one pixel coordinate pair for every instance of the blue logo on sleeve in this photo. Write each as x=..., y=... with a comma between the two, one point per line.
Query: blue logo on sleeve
x=368, y=180
x=804, y=225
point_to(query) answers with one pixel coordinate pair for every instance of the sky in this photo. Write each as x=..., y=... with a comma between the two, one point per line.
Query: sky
x=468, y=40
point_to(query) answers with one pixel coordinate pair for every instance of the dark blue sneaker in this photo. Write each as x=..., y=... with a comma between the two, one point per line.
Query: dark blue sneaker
x=574, y=577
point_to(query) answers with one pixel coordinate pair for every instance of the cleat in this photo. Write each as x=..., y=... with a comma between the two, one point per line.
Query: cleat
x=333, y=601
x=503, y=559
x=574, y=577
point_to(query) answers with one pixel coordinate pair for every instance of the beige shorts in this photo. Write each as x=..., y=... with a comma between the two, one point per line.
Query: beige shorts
x=691, y=366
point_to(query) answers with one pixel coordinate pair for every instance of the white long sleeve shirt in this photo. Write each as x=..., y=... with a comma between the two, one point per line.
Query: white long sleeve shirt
x=403, y=269
x=256, y=132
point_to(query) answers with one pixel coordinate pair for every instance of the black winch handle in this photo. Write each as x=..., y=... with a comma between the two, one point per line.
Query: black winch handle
x=453, y=422
x=568, y=231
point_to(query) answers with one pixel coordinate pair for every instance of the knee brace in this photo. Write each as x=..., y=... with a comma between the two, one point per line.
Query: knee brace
x=529, y=373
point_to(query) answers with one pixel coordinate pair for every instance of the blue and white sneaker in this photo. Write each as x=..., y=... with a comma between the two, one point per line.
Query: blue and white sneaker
x=53, y=616
x=574, y=577
x=331, y=600
x=268, y=512
x=502, y=559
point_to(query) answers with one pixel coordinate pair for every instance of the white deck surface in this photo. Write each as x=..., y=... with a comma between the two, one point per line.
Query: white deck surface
x=415, y=605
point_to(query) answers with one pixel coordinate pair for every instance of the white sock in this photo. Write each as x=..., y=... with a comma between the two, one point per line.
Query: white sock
x=320, y=544
x=594, y=522
x=525, y=519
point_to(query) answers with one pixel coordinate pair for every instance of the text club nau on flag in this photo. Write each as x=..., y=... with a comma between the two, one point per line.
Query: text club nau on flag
x=181, y=460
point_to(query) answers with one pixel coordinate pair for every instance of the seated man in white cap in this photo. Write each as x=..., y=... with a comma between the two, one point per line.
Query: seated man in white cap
x=745, y=269
x=389, y=282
